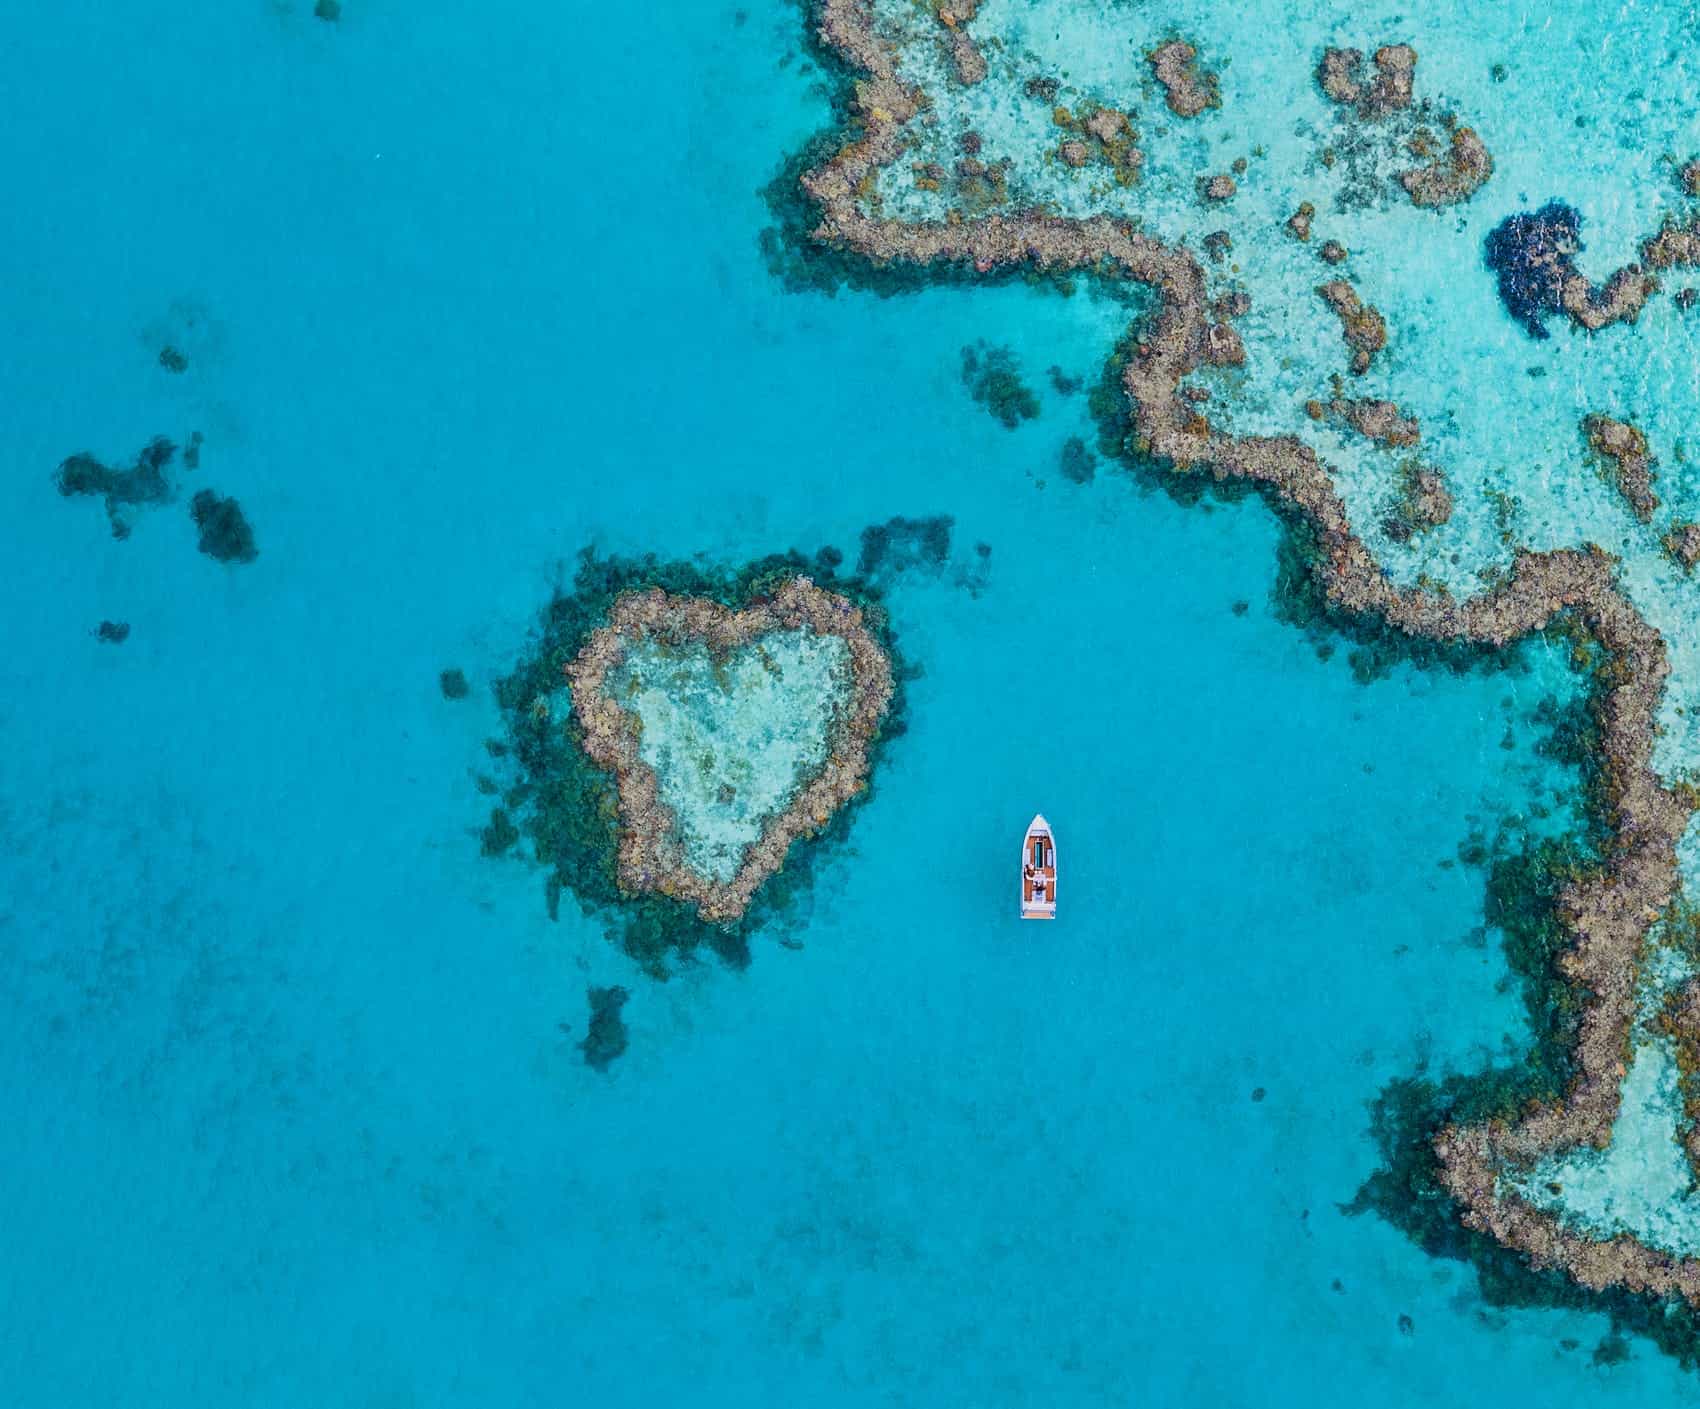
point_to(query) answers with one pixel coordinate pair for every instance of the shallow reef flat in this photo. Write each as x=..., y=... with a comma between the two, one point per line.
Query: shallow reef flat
x=1379, y=305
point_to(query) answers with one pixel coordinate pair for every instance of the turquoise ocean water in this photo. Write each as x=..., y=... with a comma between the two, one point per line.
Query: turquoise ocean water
x=294, y=1107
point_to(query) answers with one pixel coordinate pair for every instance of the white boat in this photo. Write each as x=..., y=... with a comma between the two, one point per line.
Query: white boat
x=1039, y=871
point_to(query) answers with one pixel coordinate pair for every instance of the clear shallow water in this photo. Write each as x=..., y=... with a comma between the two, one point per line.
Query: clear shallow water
x=292, y=1114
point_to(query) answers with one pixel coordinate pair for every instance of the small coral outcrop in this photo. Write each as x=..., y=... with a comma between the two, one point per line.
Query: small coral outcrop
x=1188, y=89
x=1624, y=451
x=1363, y=327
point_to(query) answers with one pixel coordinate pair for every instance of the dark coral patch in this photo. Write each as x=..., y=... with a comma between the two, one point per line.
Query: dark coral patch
x=606, y=1039
x=225, y=532
x=1533, y=255
x=143, y=483
x=994, y=381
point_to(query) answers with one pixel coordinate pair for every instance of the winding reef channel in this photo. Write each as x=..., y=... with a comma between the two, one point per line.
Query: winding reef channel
x=1608, y=914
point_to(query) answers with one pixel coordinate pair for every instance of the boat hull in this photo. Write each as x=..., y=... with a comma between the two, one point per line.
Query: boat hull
x=1039, y=871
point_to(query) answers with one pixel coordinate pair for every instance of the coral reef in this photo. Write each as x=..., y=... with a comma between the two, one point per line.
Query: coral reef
x=1683, y=544
x=1533, y=256
x=606, y=1040
x=994, y=381
x=144, y=482
x=900, y=544
x=1424, y=502
x=224, y=531
x=1455, y=177
x=115, y=633
x=1624, y=450
x=1103, y=135
x=1188, y=89
x=567, y=808
x=1341, y=76
x=650, y=854
x=1451, y=176
x=1077, y=463
x=1598, y=917
x=1299, y=222
x=453, y=684
x=1364, y=329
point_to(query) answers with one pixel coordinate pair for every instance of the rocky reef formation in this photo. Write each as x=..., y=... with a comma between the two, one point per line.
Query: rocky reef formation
x=1674, y=245
x=1533, y=255
x=1624, y=451
x=1450, y=175
x=1341, y=77
x=1423, y=502
x=1187, y=89
x=1371, y=418
x=144, y=483
x=225, y=533
x=1455, y=177
x=560, y=809
x=1683, y=544
x=966, y=59
x=607, y=1040
x=651, y=855
x=1363, y=327
x=1600, y=916
x=1101, y=135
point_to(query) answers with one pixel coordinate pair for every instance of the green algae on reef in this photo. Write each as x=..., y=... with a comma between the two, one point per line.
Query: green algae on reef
x=568, y=808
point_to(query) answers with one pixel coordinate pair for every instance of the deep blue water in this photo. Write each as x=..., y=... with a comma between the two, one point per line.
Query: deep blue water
x=291, y=1114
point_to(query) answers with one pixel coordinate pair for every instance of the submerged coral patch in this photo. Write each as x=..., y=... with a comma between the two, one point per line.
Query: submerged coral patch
x=225, y=533
x=144, y=482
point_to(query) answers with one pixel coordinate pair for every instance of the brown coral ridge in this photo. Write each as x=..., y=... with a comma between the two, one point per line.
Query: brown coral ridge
x=1188, y=89
x=650, y=857
x=1363, y=327
x=1340, y=75
x=1674, y=245
x=1683, y=544
x=1373, y=419
x=965, y=55
x=1624, y=448
x=1607, y=915
x=1619, y=301
x=1455, y=177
